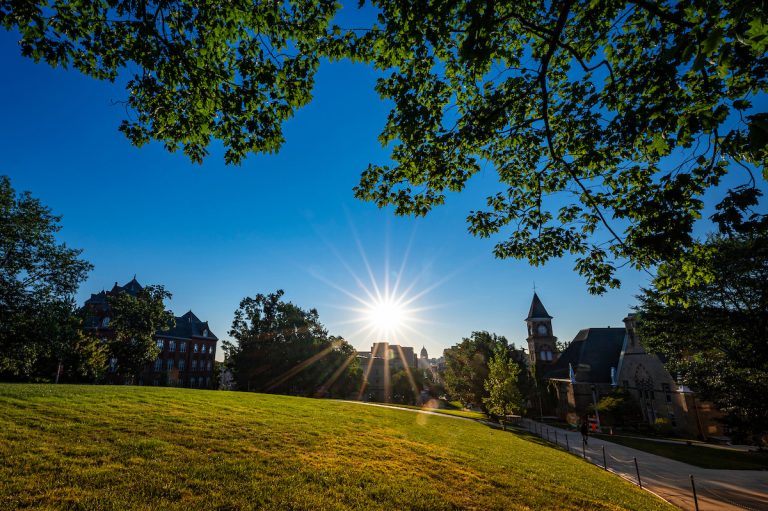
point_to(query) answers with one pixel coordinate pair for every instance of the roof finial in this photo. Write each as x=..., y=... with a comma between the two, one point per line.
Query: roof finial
x=534, y=286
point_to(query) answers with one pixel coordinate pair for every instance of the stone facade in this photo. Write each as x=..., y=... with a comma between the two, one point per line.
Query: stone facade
x=379, y=364
x=599, y=361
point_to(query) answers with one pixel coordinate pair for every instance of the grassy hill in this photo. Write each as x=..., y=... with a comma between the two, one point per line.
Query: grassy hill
x=83, y=447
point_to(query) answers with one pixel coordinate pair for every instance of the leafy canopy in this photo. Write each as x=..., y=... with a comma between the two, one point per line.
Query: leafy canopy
x=135, y=320
x=466, y=367
x=504, y=396
x=713, y=331
x=284, y=349
x=38, y=279
x=605, y=121
x=194, y=71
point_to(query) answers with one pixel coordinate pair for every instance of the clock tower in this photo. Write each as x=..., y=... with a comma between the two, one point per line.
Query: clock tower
x=542, y=345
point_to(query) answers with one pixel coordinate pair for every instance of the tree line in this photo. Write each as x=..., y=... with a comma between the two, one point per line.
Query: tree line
x=706, y=313
x=46, y=337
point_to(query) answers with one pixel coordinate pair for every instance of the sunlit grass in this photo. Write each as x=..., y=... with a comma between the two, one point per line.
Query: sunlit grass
x=107, y=447
x=467, y=414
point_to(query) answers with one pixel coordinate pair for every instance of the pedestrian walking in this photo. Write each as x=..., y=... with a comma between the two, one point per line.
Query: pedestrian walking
x=584, y=431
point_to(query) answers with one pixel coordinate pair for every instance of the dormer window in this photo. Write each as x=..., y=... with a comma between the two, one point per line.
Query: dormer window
x=205, y=333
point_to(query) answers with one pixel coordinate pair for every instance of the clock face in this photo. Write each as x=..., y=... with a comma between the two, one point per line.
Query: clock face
x=542, y=330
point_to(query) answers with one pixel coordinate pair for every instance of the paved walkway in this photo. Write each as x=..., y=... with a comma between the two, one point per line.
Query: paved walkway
x=726, y=490
x=670, y=479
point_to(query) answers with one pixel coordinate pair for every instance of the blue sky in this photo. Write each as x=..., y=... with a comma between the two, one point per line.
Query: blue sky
x=214, y=234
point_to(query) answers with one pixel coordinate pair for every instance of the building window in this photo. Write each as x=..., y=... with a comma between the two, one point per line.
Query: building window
x=183, y=347
x=160, y=344
x=105, y=322
x=112, y=365
x=192, y=381
x=208, y=381
x=182, y=365
x=208, y=366
x=194, y=365
x=204, y=348
x=158, y=365
x=667, y=391
x=171, y=346
x=170, y=364
x=195, y=348
x=156, y=382
x=205, y=333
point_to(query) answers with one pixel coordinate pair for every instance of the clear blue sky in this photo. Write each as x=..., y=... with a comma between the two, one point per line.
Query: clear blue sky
x=214, y=234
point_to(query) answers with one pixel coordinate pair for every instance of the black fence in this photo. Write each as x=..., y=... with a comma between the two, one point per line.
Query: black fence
x=683, y=486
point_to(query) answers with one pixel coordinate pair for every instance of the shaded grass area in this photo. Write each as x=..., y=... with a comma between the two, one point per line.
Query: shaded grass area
x=700, y=456
x=104, y=447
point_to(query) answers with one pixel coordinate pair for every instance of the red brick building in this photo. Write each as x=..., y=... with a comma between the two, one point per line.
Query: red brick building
x=187, y=350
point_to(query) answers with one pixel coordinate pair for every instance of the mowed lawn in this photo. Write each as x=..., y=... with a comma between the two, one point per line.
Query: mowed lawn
x=105, y=447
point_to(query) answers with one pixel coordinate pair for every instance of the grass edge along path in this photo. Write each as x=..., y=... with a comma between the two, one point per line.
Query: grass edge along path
x=103, y=447
x=696, y=455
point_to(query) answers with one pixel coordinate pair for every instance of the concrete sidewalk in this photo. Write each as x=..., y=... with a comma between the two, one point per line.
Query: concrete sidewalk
x=670, y=479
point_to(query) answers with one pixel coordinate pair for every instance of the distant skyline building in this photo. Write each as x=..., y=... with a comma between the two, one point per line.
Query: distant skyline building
x=379, y=365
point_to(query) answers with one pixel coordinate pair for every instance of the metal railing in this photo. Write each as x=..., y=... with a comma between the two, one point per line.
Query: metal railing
x=629, y=468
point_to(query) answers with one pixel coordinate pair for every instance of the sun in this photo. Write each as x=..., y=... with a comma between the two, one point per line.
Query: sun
x=386, y=314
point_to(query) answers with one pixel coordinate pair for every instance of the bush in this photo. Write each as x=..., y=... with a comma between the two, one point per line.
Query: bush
x=662, y=427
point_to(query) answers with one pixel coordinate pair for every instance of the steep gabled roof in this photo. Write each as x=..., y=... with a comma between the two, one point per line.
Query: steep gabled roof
x=591, y=354
x=537, y=310
x=189, y=326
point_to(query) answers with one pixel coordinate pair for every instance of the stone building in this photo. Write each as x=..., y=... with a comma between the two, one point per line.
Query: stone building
x=187, y=349
x=379, y=365
x=600, y=360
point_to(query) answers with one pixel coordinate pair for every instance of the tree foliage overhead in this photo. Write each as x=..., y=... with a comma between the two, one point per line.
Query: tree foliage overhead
x=605, y=121
x=195, y=71
x=284, y=349
x=713, y=331
x=38, y=278
x=135, y=320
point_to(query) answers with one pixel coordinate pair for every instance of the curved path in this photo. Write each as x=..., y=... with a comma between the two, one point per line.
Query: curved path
x=669, y=479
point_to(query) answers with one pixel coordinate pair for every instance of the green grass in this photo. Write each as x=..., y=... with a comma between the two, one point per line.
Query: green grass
x=105, y=447
x=467, y=414
x=700, y=456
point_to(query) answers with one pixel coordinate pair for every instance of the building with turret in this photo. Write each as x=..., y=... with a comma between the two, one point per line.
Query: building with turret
x=599, y=361
x=187, y=349
x=542, y=344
